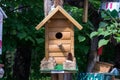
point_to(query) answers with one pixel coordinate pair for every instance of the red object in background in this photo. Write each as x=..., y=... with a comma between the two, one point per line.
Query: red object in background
x=1, y=65
x=100, y=50
x=0, y=43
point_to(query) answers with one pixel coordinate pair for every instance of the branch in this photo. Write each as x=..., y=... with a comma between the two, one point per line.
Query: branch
x=20, y=8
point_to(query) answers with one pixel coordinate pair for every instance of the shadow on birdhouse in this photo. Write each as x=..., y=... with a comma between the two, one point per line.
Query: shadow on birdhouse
x=59, y=39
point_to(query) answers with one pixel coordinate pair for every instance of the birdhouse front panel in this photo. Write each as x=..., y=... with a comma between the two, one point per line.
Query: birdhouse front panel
x=59, y=38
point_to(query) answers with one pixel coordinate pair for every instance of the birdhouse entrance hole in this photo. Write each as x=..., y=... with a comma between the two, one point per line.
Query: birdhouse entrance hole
x=58, y=35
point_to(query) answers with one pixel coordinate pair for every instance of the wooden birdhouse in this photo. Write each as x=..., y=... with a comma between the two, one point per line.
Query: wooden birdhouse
x=59, y=34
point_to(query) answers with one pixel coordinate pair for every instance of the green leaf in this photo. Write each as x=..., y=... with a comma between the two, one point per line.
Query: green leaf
x=30, y=38
x=40, y=40
x=103, y=15
x=22, y=35
x=114, y=31
x=117, y=34
x=93, y=34
x=102, y=42
x=101, y=33
x=103, y=24
x=81, y=38
x=119, y=31
x=118, y=39
x=107, y=33
x=100, y=30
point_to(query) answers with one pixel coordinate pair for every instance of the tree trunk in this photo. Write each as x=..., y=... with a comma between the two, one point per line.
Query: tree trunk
x=117, y=56
x=21, y=68
x=47, y=6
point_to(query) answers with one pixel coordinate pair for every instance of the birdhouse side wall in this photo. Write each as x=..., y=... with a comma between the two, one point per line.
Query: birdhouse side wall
x=61, y=46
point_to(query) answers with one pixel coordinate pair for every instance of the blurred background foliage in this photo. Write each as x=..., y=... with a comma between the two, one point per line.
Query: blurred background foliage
x=19, y=28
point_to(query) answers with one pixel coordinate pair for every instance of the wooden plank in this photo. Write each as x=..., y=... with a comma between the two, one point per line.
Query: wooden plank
x=59, y=42
x=46, y=43
x=72, y=39
x=65, y=35
x=58, y=23
x=60, y=60
x=61, y=76
x=60, y=29
x=68, y=76
x=58, y=15
x=56, y=48
x=59, y=54
x=54, y=76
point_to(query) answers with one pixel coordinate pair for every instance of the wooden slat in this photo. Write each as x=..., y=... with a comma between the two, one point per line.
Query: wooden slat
x=65, y=29
x=46, y=43
x=56, y=48
x=54, y=76
x=61, y=76
x=60, y=60
x=58, y=15
x=65, y=35
x=57, y=23
x=59, y=54
x=59, y=41
x=72, y=39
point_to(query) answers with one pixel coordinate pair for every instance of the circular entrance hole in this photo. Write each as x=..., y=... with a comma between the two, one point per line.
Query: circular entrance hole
x=58, y=35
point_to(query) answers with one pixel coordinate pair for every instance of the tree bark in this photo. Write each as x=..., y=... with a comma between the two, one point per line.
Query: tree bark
x=85, y=13
x=117, y=56
x=21, y=68
x=47, y=6
x=92, y=58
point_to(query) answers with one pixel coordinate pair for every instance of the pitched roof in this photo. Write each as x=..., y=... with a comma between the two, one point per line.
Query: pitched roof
x=3, y=13
x=58, y=8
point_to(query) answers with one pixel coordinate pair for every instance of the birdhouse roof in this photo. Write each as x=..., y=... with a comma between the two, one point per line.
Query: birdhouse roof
x=51, y=14
x=3, y=13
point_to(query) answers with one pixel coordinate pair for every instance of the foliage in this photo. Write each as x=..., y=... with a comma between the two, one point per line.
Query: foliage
x=109, y=29
x=19, y=28
x=95, y=3
x=82, y=40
